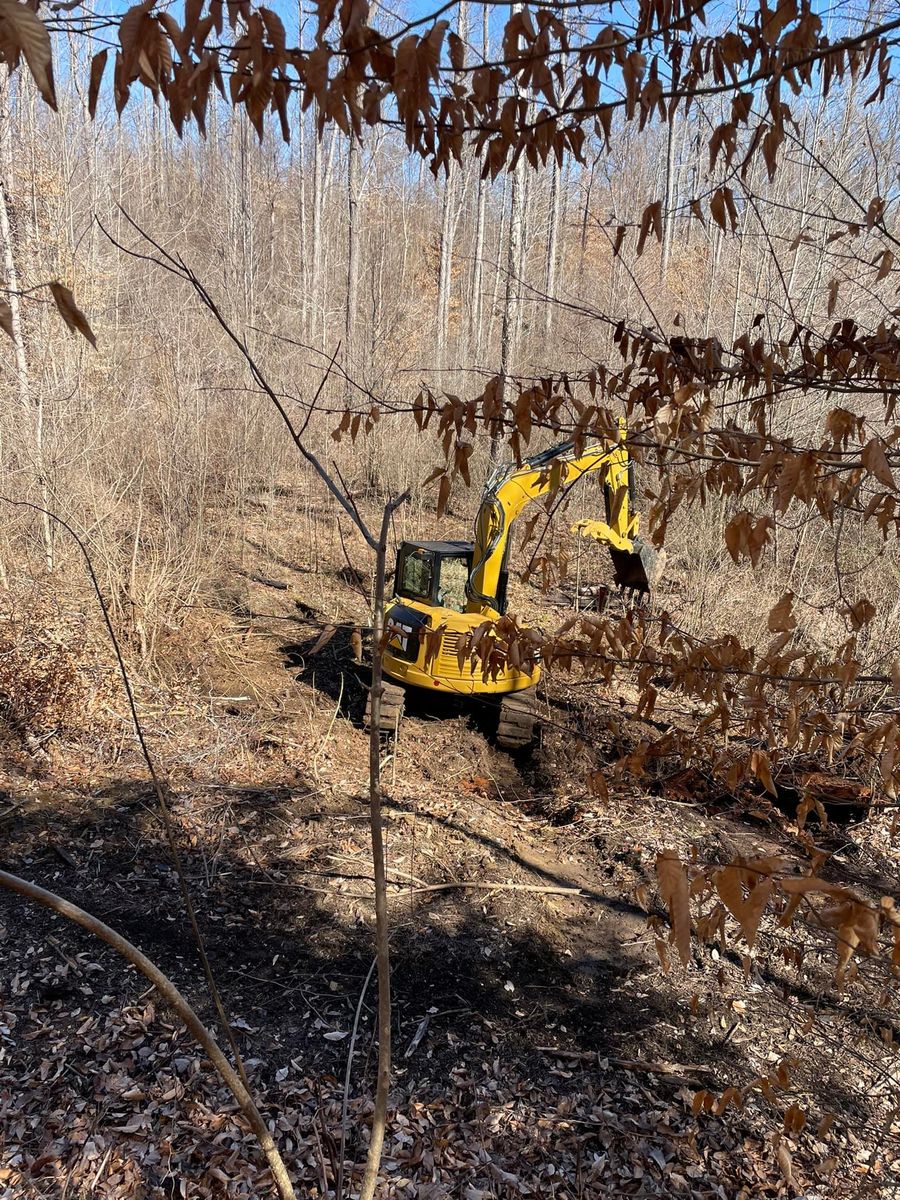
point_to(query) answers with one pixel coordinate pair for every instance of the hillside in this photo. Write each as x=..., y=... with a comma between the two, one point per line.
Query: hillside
x=540, y=1048
x=585, y=315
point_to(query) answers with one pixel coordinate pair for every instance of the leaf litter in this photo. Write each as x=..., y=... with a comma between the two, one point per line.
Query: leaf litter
x=744, y=1074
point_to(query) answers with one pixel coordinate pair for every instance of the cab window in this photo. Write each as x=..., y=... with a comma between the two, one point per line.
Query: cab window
x=415, y=575
x=452, y=585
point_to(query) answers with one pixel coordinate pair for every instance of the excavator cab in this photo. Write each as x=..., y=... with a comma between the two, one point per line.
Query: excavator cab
x=432, y=595
x=437, y=573
x=434, y=573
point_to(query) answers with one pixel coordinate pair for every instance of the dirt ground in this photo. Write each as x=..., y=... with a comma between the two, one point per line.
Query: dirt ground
x=540, y=1049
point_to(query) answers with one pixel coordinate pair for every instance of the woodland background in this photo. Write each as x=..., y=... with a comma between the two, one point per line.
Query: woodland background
x=152, y=443
x=709, y=769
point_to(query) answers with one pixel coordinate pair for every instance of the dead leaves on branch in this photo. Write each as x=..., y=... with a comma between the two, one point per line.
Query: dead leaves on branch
x=545, y=96
x=782, y=699
x=673, y=389
x=24, y=35
x=749, y=888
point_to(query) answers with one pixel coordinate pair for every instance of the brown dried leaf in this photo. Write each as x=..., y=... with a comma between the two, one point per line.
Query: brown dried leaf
x=875, y=461
x=794, y=1120
x=785, y=1163
x=675, y=891
x=833, y=289
x=98, y=66
x=856, y=924
x=662, y=951
x=825, y=1126
x=781, y=619
x=323, y=639
x=70, y=312
x=597, y=786
x=6, y=318
x=443, y=495
x=651, y=219
x=762, y=769
x=23, y=28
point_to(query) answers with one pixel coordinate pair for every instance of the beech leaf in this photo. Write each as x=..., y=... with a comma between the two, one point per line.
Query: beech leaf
x=6, y=318
x=98, y=66
x=24, y=29
x=675, y=891
x=875, y=461
x=781, y=619
x=70, y=312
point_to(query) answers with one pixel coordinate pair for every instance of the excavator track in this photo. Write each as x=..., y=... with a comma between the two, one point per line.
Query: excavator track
x=393, y=698
x=518, y=718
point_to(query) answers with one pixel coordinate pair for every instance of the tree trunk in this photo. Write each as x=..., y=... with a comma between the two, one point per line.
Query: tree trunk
x=668, y=215
x=513, y=264
x=305, y=258
x=476, y=298
x=446, y=263
x=354, y=172
x=448, y=229
x=316, y=272
x=382, y=929
x=552, y=245
x=12, y=289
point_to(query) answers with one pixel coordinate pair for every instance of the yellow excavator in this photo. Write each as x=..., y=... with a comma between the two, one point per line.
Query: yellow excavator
x=444, y=591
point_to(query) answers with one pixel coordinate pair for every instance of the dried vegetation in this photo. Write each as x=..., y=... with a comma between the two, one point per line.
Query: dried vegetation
x=657, y=957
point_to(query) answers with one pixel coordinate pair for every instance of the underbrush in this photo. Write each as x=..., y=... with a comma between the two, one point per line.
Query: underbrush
x=56, y=677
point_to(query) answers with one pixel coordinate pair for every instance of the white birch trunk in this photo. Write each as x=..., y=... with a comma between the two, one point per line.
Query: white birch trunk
x=514, y=246
x=550, y=263
x=445, y=268
x=31, y=411
x=448, y=229
x=476, y=297
x=354, y=169
x=668, y=214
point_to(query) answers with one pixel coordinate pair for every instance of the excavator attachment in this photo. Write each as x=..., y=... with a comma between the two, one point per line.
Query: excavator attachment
x=638, y=569
x=637, y=566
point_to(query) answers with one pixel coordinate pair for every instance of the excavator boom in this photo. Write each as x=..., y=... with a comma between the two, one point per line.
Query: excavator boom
x=511, y=488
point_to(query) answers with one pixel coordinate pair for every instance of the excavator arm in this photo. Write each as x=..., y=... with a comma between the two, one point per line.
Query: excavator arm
x=511, y=488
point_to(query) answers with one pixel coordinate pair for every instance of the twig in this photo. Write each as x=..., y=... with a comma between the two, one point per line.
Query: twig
x=627, y=1064
x=345, y=1103
x=382, y=927
x=272, y=583
x=491, y=887
x=327, y=738
x=173, y=997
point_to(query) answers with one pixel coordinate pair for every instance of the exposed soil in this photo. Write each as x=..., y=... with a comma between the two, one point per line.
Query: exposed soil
x=540, y=1049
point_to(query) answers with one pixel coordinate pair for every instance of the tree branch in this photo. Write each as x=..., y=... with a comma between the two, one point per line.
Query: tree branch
x=174, y=998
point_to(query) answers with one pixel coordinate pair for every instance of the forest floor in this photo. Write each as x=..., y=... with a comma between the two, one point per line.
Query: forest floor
x=540, y=1049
